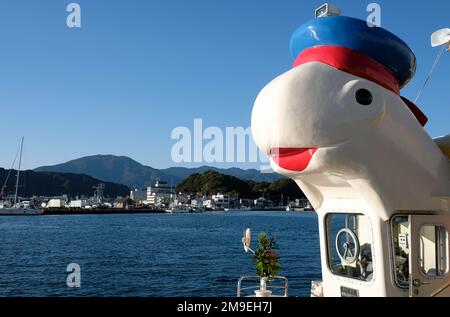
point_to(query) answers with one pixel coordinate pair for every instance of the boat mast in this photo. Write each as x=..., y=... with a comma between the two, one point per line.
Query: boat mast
x=9, y=174
x=18, y=173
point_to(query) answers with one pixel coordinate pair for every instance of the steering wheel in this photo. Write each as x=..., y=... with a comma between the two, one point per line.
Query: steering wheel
x=349, y=250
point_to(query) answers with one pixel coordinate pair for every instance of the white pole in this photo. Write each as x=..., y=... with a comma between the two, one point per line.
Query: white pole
x=18, y=173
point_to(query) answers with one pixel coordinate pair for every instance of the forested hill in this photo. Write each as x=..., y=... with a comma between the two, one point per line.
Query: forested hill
x=55, y=184
x=212, y=182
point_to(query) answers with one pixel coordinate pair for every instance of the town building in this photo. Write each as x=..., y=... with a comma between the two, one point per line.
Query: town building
x=56, y=203
x=81, y=203
x=219, y=201
x=160, y=194
x=262, y=203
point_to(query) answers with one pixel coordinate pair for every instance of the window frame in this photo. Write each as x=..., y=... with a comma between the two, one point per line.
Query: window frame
x=392, y=252
x=329, y=246
x=447, y=257
x=410, y=240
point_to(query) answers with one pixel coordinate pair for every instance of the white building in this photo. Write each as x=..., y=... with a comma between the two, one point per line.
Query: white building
x=197, y=203
x=208, y=203
x=219, y=201
x=160, y=193
x=80, y=203
x=56, y=203
x=263, y=203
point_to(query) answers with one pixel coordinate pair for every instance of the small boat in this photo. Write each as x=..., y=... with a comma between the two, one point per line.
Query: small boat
x=177, y=210
x=19, y=209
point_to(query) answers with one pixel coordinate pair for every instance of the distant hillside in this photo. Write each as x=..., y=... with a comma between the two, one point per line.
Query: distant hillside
x=124, y=170
x=250, y=174
x=55, y=184
x=212, y=182
x=117, y=169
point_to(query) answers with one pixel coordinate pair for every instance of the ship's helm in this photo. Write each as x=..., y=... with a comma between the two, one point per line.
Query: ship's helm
x=353, y=255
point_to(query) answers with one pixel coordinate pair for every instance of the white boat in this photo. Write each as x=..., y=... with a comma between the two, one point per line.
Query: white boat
x=177, y=210
x=18, y=209
x=337, y=125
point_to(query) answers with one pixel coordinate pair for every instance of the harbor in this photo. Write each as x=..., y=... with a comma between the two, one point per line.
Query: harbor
x=249, y=151
x=186, y=197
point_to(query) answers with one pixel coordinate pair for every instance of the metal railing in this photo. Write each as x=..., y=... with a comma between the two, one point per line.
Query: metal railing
x=257, y=287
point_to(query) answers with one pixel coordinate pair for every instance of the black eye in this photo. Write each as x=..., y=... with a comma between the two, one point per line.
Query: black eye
x=364, y=97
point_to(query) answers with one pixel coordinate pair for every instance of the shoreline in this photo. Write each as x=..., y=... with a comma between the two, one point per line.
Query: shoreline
x=116, y=211
x=102, y=211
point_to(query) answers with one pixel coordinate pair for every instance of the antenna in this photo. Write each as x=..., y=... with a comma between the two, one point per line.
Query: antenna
x=439, y=38
x=99, y=193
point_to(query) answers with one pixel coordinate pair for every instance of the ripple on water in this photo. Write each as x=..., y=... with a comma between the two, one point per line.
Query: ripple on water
x=150, y=255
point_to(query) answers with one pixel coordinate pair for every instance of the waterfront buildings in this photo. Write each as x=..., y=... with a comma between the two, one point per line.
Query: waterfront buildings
x=160, y=194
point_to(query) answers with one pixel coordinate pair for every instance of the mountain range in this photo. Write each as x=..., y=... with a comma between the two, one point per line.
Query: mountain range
x=55, y=184
x=126, y=171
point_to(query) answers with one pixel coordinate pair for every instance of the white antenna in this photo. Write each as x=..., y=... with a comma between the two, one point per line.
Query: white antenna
x=439, y=38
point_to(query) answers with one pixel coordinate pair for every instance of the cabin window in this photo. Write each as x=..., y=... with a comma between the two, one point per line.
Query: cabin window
x=400, y=234
x=349, y=238
x=433, y=250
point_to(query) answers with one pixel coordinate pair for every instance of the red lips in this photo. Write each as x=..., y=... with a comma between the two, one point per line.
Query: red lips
x=292, y=159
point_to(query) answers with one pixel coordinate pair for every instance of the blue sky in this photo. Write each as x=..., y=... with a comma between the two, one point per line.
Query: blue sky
x=138, y=69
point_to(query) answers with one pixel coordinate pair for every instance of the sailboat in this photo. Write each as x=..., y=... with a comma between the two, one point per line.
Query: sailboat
x=18, y=209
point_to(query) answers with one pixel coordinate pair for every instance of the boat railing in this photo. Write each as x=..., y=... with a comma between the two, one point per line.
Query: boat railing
x=270, y=287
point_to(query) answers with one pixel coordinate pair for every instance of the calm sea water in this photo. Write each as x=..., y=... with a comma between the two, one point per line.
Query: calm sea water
x=150, y=255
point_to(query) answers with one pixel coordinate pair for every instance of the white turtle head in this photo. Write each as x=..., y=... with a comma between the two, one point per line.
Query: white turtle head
x=313, y=107
x=345, y=75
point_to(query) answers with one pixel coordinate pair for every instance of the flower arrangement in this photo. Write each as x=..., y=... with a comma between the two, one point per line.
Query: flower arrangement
x=266, y=260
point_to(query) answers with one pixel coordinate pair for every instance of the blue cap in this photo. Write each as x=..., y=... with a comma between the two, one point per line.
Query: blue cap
x=375, y=42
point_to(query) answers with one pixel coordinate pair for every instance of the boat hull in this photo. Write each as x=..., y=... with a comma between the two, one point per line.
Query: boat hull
x=177, y=211
x=20, y=212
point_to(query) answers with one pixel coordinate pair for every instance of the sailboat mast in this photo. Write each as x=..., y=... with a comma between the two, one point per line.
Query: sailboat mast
x=18, y=172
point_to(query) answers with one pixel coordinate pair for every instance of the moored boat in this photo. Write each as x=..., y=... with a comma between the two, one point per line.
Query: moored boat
x=18, y=209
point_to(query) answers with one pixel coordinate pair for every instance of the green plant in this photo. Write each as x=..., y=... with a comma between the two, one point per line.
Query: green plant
x=267, y=261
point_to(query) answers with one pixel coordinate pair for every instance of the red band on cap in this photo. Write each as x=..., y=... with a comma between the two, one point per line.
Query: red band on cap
x=352, y=62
